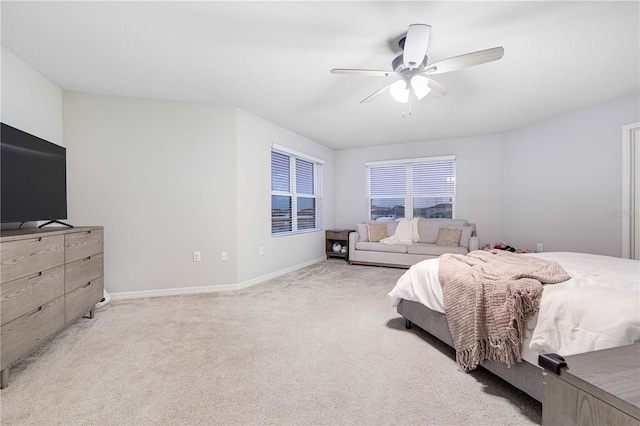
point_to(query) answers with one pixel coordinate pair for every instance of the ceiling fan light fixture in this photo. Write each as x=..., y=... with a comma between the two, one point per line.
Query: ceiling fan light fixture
x=420, y=85
x=399, y=91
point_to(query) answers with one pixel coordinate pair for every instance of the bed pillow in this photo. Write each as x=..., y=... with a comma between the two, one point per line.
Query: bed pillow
x=377, y=232
x=465, y=235
x=448, y=237
x=363, y=232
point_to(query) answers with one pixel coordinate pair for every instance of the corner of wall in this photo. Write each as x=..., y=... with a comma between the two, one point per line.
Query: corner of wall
x=30, y=101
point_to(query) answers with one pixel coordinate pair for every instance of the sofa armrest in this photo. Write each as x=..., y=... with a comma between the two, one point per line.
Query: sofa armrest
x=353, y=239
x=473, y=244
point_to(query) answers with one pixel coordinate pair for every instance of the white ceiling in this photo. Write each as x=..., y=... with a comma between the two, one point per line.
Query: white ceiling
x=273, y=59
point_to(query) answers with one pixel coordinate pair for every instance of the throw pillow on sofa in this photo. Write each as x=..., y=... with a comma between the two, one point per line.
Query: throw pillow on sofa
x=448, y=237
x=464, y=236
x=377, y=232
x=363, y=232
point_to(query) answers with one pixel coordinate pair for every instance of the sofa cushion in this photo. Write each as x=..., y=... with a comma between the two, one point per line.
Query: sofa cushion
x=389, y=248
x=377, y=232
x=448, y=237
x=391, y=227
x=363, y=231
x=434, y=250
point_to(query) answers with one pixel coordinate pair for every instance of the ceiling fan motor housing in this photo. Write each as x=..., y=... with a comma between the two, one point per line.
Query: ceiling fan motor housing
x=398, y=66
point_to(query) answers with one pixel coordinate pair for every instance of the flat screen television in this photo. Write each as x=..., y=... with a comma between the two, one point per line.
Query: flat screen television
x=34, y=177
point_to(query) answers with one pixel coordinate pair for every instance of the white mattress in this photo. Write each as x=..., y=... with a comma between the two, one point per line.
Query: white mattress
x=598, y=308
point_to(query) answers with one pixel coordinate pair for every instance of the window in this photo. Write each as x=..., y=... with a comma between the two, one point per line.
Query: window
x=296, y=192
x=421, y=187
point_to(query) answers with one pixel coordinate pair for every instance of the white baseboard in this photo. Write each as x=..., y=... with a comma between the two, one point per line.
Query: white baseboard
x=210, y=288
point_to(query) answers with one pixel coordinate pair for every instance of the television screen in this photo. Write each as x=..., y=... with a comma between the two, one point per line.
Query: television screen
x=34, y=177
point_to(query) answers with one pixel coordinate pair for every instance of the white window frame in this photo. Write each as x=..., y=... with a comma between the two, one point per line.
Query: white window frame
x=317, y=190
x=409, y=196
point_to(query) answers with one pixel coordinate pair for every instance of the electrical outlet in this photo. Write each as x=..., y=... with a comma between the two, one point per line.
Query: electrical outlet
x=261, y=251
x=197, y=256
x=539, y=247
x=224, y=255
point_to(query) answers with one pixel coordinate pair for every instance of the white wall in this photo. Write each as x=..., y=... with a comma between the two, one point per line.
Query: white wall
x=255, y=137
x=161, y=177
x=30, y=102
x=167, y=178
x=478, y=179
x=561, y=176
x=552, y=182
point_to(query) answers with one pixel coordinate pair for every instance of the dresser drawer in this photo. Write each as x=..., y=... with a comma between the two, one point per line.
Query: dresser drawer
x=337, y=235
x=21, y=258
x=81, y=300
x=83, y=244
x=25, y=294
x=26, y=332
x=82, y=271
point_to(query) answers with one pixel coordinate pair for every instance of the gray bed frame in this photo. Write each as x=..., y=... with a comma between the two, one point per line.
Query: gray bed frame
x=524, y=376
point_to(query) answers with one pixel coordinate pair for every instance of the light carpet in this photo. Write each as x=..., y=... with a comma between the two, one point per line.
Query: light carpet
x=321, y=345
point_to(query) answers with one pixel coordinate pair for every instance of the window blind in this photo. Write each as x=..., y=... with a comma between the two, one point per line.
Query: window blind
x=296, y=192
x=423, y=187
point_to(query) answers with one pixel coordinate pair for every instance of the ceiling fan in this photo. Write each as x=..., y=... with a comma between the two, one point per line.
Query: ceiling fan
x=412, y=69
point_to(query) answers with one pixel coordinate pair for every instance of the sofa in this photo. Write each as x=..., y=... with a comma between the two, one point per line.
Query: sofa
x=435, y=237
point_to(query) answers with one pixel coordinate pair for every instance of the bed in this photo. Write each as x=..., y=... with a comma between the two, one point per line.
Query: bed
x=598, y=307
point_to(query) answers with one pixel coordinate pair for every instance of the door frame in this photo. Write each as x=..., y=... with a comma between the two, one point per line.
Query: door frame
x=630, y=194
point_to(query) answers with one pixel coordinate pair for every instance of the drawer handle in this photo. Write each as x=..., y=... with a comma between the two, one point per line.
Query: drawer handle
x=87, y=285
x=36, y=240
x=36, y=311
x=36, y=275
x=86, y=258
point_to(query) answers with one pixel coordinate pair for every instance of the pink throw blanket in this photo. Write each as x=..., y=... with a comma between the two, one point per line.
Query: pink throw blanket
x=488, y=298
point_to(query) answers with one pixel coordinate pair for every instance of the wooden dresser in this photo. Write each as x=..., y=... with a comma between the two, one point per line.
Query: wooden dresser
x=595, y=388
x=48, y=279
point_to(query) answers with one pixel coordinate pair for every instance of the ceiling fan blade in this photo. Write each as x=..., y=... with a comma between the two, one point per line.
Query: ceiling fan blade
x=375, y=94
x=437, y=89
x=373, y=73
x=415, y=45
x=465, y=61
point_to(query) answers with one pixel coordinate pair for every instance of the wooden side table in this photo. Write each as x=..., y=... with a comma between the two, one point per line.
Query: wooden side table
x=340, y=237
x=595, y=388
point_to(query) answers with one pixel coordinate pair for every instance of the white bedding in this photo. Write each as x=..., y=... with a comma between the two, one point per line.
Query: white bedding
x=598, y=308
